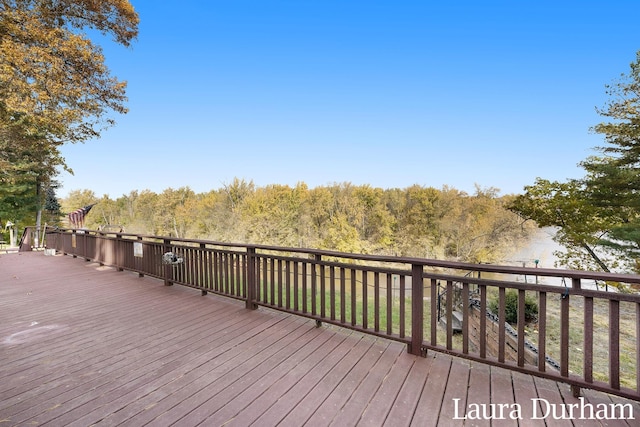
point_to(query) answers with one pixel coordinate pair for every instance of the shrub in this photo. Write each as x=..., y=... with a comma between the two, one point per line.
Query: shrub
x=511, y=306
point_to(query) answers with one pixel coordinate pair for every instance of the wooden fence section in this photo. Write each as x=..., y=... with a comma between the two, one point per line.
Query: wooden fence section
x=590, y=333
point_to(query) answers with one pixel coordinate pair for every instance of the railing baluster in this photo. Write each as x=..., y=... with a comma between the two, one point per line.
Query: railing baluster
x=323, y=290
x=501, y=324
x=314, y=290
x=542, y=331
x=564, y=335
x=230, y=273
x=201, y=275
x=287, y=281
x=376, y=301
x=614, y=344
x=265, y=281
x=483, y=321
x=465, y=318
x=343, y=302
x=402, y=306
x=332, y=292
x=280, y=288
x=588, y=339
x=449, y=314
x=304, y=288
x=389, y=304
x=238, y=280
x=353, y=298
x=272, y=281
x=192, y=267
x=433, y=310
x=243, y=289
x=296, y=287
x=216, y=270
x=521, y=321
x=365, y=299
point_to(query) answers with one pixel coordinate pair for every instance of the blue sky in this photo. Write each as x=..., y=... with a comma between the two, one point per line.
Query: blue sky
x=385, y=93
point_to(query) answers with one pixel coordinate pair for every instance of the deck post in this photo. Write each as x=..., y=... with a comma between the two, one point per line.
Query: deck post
x=417, y=310
x=251, y=278
x=575, y=391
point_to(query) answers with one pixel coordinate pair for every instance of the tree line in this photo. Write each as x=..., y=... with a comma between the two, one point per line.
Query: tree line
x=414, y=221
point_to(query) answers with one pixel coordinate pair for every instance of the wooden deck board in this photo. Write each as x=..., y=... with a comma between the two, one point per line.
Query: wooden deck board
x=428, y=410
x=357, y=403
x=333, y=404
x=82, y=344
x=457, y=385
x=479, y=390
x=382, y=402
x=403, y=408
x=313, y=399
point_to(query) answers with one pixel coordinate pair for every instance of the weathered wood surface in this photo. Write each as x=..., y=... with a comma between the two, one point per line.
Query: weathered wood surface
x=82, y=344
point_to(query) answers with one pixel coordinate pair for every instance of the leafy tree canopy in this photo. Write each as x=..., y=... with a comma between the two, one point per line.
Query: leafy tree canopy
x=54, y=89
x=53, y=80
x=598, y=216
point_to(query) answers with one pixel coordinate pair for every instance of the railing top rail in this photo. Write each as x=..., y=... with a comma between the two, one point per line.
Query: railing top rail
x=434, y=263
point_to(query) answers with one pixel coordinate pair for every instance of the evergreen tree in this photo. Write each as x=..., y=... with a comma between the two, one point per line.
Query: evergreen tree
x=599, y=215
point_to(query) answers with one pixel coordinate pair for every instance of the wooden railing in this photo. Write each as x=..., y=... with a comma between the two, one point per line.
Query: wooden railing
x=591, y=333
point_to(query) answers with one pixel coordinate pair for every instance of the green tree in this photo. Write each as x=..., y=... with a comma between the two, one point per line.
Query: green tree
x=145, y=221
x=377, y=223
x=171, y=212
x=612, y=182
x=272, y=215
x=598, y=216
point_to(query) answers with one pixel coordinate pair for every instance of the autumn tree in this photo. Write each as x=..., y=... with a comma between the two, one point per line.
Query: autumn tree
x=54, y=84
x=417, y=223
x=272, y=214
x=478, y=228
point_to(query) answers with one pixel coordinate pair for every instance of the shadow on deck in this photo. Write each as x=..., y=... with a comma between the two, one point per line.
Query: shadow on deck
x=82, y=344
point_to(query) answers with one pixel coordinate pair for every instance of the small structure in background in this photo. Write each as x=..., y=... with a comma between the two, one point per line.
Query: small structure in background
x=12, y=236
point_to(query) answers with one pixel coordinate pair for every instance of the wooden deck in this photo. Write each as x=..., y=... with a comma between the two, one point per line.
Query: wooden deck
x=82, y=344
